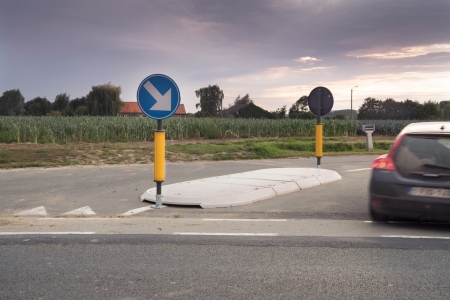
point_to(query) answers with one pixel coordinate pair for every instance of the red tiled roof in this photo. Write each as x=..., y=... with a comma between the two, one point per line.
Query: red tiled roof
x=181, y=110
x=133, y=108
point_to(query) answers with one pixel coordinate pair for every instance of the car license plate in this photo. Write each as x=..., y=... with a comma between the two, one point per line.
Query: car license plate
x=429, y=192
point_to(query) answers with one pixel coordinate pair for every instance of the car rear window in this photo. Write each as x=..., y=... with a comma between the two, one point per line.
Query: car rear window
x=419, y=154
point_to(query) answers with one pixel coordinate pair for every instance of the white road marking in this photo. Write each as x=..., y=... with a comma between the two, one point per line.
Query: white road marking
x=225, y=233
x=356, y=170
x=417, y=237
x=75, y=218
x=86, y=210
x=25, y=232
x=37, y=211
x=136, y=211
x=248, y=220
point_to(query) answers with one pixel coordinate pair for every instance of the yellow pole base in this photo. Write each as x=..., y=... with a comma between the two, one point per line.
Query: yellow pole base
x=319, y=141
x=159, y=155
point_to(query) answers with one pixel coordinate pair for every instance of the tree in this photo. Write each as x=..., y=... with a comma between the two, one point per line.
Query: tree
x=244, y=100
x=431, y=111
x=392, y=110
x=301, y=105
x=37, y=107
x=61, y=103
x=104, y=100
x=74, y=104
x=211, y=98
x=410, y=110
x=81, y=111
x=371, y=109
x=280, y=113
x=300, y=109
x=12, y=103
x=445, y=106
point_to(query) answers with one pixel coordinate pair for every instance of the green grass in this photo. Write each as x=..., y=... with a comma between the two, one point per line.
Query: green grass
x=54, y=155
x=256, y=149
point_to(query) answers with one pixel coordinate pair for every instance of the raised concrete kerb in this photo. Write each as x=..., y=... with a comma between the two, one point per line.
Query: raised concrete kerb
x=241, y=188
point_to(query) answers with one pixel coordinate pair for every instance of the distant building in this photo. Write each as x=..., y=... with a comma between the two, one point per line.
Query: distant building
x=133, y=109
x=230, y=112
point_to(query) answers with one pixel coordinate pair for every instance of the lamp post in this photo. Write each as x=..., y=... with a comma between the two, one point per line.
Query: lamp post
x=351, y=102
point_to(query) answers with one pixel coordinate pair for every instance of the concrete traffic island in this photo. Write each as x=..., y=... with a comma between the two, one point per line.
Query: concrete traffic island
x=241, y=188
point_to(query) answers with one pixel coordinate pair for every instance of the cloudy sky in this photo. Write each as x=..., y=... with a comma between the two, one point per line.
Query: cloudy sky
x=274, y=50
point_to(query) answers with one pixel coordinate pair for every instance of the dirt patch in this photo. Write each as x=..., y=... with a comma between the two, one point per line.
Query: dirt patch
x=4, y=222
x=26, y=155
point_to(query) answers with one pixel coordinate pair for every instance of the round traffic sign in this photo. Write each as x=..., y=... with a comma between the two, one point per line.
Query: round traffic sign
x=158, y=96
x=320, y=101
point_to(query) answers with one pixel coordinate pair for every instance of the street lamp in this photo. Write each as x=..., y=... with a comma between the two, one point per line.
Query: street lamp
x=351, y=102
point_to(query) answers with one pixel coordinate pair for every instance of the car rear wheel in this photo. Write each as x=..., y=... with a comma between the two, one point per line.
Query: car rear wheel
x=378, y=217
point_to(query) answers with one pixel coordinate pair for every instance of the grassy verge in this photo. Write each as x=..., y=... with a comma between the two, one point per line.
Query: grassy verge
x=55, y=155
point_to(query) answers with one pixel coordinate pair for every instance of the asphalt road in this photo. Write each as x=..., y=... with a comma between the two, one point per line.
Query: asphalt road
x=167, y=267
x=316, y=243
x=112, y=190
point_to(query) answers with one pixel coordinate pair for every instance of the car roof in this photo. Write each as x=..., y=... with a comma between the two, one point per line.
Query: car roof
x=427, y=127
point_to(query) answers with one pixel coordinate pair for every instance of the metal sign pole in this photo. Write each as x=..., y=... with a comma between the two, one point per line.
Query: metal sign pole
x=159, y=161
x=319, y=131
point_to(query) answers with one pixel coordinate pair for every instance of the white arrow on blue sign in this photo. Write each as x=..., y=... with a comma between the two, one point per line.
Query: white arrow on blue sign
x=158, y=96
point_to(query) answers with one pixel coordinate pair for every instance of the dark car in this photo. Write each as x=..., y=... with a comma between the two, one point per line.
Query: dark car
x=412, y=181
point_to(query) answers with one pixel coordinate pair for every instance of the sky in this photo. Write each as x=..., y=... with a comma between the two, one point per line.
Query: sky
x=274, y=50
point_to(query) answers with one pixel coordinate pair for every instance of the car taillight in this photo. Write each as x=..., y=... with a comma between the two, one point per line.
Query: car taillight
x=384, y=163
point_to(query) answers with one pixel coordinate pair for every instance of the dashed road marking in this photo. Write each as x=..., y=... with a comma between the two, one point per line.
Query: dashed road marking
x=356, y=170
x=75, y=218
x=136, y=211
x=248, y=220
x=416, y=237
x=225, y=233
x=52, y=233
x=37, y=211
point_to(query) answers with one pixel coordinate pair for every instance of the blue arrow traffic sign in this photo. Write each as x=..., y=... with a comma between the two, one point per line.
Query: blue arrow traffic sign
x=158, y=96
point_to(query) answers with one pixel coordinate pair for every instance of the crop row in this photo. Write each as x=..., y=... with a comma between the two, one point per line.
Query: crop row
x=121, y=129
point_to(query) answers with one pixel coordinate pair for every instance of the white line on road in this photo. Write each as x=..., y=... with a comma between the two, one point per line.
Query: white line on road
x=136, y=211
x=79, y=218
x=24, y=232
x=248, y=220
x=356, y=170
x=417, y=237
x=225, y=233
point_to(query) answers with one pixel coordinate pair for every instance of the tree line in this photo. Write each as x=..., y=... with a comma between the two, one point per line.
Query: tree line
x=389, y=109
x=211, y=105
x=211, y=98
x=102, y=100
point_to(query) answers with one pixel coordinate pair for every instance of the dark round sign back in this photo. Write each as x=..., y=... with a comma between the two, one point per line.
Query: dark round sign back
x=320, y=101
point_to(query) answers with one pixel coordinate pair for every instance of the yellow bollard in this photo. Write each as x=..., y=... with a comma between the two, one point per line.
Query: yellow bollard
x=319, y=142
x=159, y=156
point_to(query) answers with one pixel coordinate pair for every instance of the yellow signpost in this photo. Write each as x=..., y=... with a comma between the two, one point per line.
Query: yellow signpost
x=320, y=102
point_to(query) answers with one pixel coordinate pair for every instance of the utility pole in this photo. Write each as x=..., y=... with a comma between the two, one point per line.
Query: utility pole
x=351, y=103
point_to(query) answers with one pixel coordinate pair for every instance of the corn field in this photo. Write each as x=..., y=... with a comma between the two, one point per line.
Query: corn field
x=63, y=130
